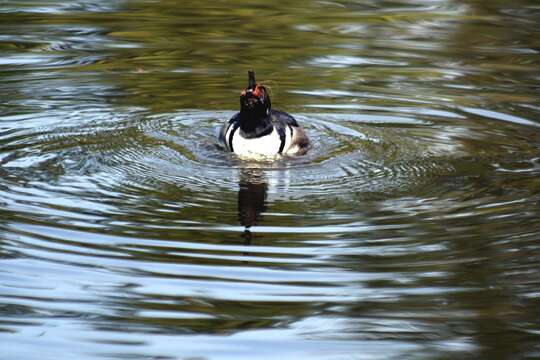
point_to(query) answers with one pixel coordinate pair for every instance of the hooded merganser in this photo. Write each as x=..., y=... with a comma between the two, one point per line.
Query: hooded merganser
x=257, y=130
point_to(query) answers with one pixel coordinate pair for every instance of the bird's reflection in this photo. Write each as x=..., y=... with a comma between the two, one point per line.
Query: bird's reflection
x=252, y=194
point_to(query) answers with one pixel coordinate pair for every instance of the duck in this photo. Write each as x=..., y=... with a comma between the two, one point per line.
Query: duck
x=257, y=130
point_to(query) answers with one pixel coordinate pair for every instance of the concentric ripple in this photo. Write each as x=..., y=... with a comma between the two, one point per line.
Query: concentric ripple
x=111, y=156
x=351, y=154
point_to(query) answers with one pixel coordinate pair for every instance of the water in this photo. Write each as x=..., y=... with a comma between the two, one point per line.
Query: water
x=410, y=230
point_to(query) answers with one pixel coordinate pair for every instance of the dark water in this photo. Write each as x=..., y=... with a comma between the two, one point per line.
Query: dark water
x=410, y=231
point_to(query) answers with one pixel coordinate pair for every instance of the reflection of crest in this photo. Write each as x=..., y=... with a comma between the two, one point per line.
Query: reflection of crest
x=252, y=195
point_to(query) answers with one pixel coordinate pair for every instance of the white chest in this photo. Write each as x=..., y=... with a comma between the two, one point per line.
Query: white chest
x=266, y=146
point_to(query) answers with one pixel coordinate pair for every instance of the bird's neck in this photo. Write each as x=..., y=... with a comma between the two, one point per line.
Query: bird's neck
x=254, y=124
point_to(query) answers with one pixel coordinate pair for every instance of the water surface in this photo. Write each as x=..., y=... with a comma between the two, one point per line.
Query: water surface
x=410, y=230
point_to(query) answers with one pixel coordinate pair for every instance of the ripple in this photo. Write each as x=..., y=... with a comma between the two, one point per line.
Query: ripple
x=500, y=116
x=365, y=154
x=60, y=7
x=338, y=61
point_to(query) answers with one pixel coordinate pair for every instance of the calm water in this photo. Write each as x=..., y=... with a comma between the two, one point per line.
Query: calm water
x=410, y=231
